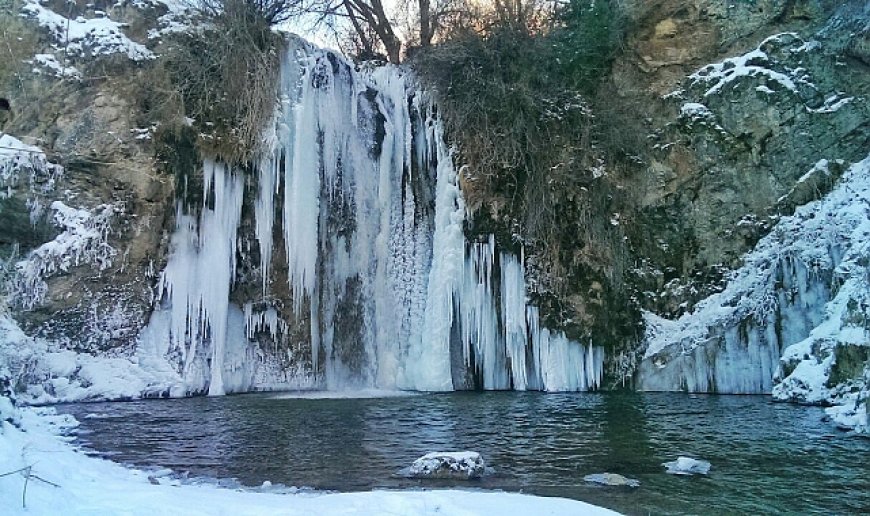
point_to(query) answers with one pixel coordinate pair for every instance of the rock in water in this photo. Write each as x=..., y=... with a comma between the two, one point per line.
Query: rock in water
x=687, y=466
x=463, y=465
x=611, y=479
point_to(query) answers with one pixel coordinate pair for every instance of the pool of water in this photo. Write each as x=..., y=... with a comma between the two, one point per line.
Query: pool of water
x=766, y=457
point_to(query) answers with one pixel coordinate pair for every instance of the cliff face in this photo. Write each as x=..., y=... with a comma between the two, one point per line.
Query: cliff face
x=728, y=116
x=73, y=94
x=776, y=120
x=728, y=141
x=727, y=109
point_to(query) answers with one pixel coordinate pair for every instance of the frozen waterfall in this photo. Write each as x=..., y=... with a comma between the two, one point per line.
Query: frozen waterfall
x=364, y=277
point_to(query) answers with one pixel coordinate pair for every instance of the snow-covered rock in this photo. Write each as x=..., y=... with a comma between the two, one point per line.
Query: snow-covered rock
x=850, y=416
x=19, y=160
x=611, y=479
x=464, y=465
x=83, y=240
x=687, y=466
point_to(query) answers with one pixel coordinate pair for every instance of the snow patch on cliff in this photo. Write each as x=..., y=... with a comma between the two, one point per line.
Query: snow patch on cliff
x=83, y=240
x=758, y=62
x=86, y=37
x=48, y=64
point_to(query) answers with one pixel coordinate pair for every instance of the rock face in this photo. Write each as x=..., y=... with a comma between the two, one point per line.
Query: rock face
x=449, y=466
x=89, y=130
x=776, y=120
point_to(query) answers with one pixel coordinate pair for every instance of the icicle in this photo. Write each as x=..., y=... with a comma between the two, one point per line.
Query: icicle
x=427, y=364
x=199, y=275
x=513, y=297
x=264, y=212
x=302, y=197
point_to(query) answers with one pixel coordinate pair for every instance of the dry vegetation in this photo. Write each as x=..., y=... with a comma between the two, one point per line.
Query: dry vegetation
x=520, y=101
x=221, y=79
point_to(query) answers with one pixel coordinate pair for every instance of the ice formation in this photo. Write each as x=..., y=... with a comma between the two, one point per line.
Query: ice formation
x=83, y=240
x=196, y=286
x=358, y=195
x=799, y=301
x=19, y=161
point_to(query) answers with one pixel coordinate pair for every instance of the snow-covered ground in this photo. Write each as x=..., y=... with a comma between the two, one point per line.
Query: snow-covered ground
x=62, y=480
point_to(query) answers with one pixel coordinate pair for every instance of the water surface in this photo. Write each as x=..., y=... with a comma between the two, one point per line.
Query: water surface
x=767, y=457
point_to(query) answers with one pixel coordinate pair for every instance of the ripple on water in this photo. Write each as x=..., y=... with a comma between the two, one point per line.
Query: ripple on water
x=766, y=458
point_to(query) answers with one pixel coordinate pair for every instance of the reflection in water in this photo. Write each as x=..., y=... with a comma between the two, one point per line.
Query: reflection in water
x=624, y=434
x=766, y=457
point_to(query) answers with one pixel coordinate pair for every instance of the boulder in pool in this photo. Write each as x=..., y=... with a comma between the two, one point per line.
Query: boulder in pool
x=687, y=466
x=611, y=479
x=464, y=465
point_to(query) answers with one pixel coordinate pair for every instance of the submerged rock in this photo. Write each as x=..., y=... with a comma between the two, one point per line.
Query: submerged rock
x=611, y=479
x=464, y=465
x=687, y=466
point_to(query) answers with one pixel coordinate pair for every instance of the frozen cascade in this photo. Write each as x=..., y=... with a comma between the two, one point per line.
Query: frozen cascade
x=197, y=280
x=376, y=286
x=775, y=328
x=740, y=352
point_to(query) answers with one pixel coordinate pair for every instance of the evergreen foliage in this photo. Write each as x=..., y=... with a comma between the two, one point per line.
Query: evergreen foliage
x=587, y=41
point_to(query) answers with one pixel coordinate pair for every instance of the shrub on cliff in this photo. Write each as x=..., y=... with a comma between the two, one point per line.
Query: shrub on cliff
x=587, y=39
x=222, y=78
x=514, y=100
x=537, y=171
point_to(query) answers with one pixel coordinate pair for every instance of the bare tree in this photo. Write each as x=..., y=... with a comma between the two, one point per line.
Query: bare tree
x=272, y=12
x=372, y=13
x=375, y=29
x=369, y=20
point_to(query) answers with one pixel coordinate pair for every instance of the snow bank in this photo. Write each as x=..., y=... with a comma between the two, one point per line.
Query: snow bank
x=86, y=37
x=51, y=374
x=65, y=481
